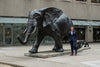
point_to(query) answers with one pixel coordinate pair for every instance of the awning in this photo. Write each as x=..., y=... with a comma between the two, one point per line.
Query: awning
x=24, y=20
x=13, y=20
x=86, y=23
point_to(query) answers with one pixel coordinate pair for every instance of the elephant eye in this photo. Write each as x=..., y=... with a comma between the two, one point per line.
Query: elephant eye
x=30, y=24
x=36, y=15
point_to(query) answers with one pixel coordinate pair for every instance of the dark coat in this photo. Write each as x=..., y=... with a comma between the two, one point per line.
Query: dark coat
x=73, y=37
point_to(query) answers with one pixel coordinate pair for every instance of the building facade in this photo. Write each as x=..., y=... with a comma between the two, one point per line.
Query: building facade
x=84, y=13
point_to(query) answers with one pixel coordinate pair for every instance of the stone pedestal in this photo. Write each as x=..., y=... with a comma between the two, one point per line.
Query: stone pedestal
x=49, y=53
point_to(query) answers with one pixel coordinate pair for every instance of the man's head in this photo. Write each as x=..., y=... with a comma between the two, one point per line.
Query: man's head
x=72, y=28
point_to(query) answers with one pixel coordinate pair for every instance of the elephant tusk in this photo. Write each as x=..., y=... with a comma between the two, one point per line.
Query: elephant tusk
x=25, y=31
x=34, y=30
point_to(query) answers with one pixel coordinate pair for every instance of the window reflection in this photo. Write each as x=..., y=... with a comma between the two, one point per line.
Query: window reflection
x=96, y=34
x=80, y=33
x=82, y=0
x=95, y=1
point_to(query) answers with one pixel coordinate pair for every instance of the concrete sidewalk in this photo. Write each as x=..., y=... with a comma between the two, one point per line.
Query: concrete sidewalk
x=86, y=58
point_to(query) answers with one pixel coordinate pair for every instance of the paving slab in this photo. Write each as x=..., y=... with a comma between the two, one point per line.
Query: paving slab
x=15, y=55
x=8, y=65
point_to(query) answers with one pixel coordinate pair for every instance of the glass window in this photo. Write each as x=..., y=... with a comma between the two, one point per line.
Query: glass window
x=95, y=1
x=96, y=34
x=1, y=34
x=80, y=33
x=8, y=36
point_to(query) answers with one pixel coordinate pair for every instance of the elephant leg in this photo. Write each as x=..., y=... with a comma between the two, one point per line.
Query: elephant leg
x=55, y=47
x=58, y=44
x=36, y=44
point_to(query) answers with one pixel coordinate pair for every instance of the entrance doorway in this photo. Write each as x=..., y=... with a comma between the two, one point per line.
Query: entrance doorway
x=80, y=33
x=8, y=36
x=96, y=34
x=1, y=35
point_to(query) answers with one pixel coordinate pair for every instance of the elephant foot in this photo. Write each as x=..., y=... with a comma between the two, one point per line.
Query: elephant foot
x=59, y=50
x=84, y=46
x=54, y=49
x=33, y=50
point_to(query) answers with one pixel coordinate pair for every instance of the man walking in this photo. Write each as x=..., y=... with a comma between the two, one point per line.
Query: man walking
x=73, y=38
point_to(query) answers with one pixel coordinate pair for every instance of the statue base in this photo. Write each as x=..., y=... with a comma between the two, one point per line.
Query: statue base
x=50, y=53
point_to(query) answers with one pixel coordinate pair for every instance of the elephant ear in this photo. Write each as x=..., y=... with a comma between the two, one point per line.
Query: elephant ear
x=50, y=15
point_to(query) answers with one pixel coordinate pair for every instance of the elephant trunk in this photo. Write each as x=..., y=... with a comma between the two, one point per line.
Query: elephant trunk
x=23, y=42
x=26, y=34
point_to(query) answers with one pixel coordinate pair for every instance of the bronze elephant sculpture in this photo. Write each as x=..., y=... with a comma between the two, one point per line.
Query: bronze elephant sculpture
x=49, y=21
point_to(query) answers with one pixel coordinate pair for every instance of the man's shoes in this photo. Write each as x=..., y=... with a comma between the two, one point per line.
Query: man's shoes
x=71, y=54
x=75, y=53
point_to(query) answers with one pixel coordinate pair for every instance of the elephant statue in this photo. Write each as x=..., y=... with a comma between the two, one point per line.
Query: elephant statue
x=48, y=21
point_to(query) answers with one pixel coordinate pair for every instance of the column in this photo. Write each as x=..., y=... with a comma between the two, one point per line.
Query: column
x=89, y=33
x=3, y=34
